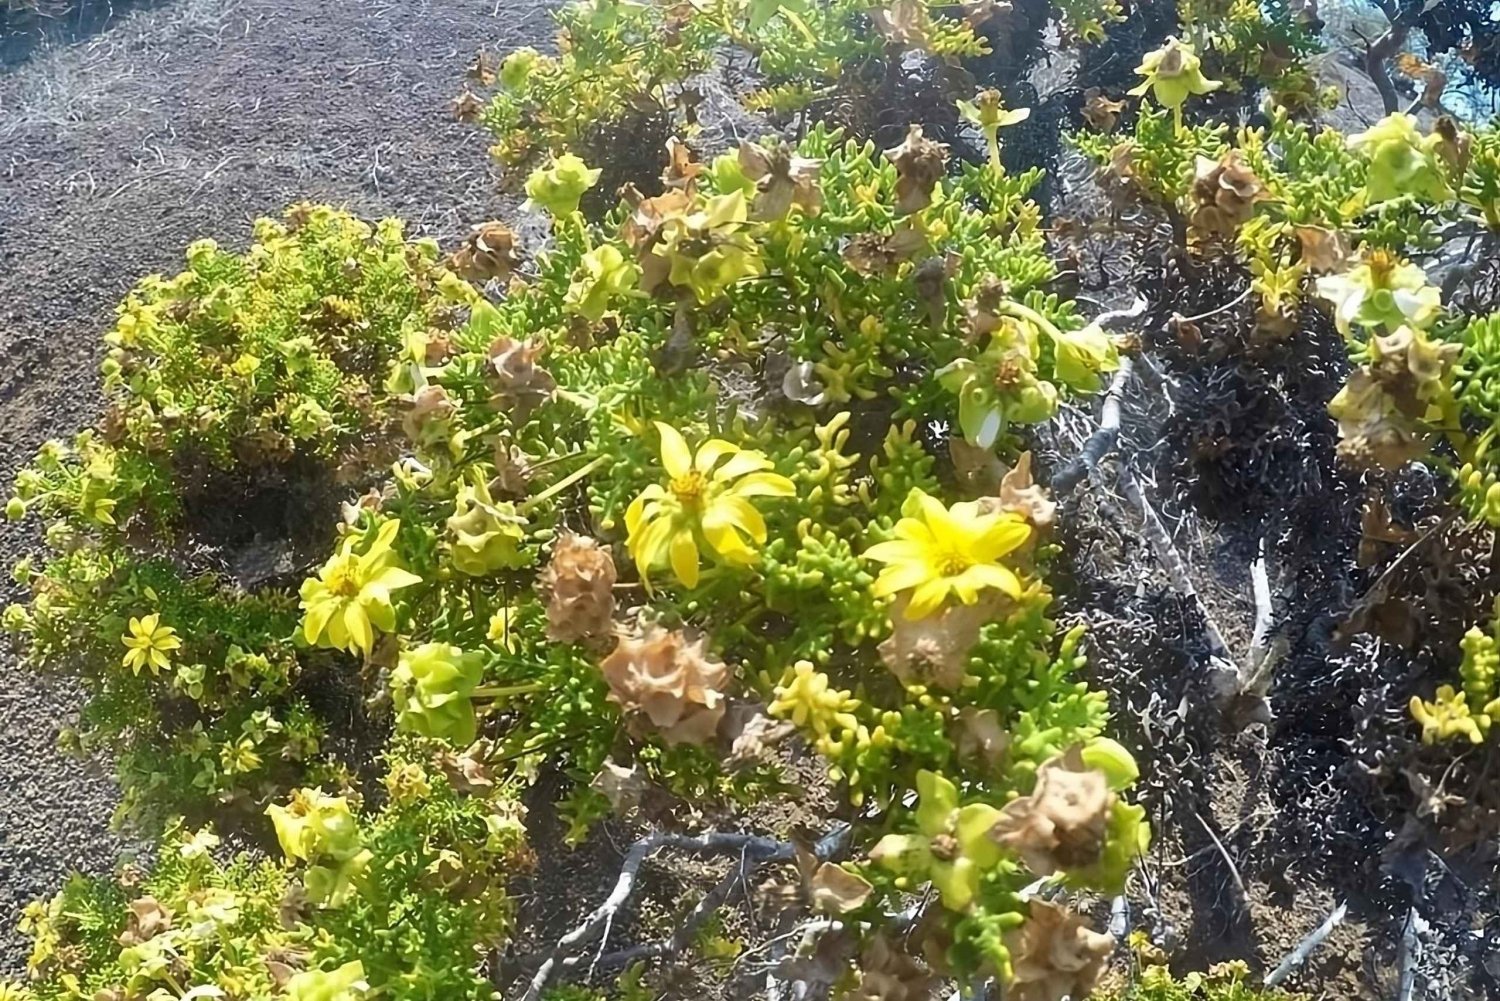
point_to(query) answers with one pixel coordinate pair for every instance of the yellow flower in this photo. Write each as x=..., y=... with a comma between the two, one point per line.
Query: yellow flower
x=501, y=631
x=351, y=596
x=946, y=551
x=149, y=642
x=1173, y=73
x=705, y=501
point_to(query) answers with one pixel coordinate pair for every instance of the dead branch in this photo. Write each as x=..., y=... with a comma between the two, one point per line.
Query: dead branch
x=1102, y=441
x=1305, y=948
x=755, y=852
x=603, y=915
x=1411, y=951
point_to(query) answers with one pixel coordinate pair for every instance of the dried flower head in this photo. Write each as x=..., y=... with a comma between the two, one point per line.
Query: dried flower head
x=934, y=650
x=1062, y=824
x=889, y=973
x=466, y=771
x=426, y=413
x=781, y=178
x=1224, y=194
x=1055, y=955
x=466, y=107
x=1021, y=494
x=579, y=587
x=1099, y=111
x=920, y=163
x=1323, y=250
x=512, y=479
x=488, y=252
x=144, y=920
x=902, y=23
x=1373, y=432
x=520, y=385
x=662, y=678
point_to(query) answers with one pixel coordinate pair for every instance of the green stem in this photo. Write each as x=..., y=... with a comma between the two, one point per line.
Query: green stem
x=505, y=691
x=992, y=139
x=564, y=483
x=800, y=25
x=1020, y=312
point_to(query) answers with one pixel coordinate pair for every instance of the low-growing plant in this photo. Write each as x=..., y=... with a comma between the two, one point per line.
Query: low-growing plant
x=640, y=65
x=395, y=900
x=677, y=495
x=242, y=402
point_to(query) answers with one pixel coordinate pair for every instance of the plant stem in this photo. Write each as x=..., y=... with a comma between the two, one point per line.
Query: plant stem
x=564, y=483
x=505, y=691
x=1015, y=309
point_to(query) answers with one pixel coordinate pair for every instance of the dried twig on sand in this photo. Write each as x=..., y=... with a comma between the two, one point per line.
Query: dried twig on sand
x=755, y=851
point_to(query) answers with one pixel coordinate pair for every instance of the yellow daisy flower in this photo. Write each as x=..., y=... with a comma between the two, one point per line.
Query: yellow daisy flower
x=945, y=551
x=351, y=596
x=148, y=643
x=706, y=501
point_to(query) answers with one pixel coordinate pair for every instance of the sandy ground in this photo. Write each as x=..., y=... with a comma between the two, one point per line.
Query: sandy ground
x=185, y=120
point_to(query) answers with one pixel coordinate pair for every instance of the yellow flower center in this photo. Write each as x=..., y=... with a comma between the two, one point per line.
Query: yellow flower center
x=954, y=564
x=1009, y=373
x=689, y=487
x=343, y=576
x=1382, y=264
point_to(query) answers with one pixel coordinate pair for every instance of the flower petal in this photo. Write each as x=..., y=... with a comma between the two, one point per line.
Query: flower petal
x=742, y=463
x=764, y=485
x=676, y=458
x=985, y=575
x=318, y=614
x=684, y=556
x=357, y=623
x=900, y=577
x=927, y=598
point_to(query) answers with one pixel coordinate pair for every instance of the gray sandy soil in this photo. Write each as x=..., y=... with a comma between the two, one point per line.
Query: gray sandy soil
x=187, y=120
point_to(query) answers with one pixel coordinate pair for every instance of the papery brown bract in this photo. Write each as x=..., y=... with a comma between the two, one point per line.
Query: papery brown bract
x=1054, y=955
x=667, y=684
x=1063, y=823
x=519, y=384
x=488, y=252
x=578, y=584
x=920, y=164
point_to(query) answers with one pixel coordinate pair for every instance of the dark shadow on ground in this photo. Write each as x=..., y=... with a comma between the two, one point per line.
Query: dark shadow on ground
x=27, y=26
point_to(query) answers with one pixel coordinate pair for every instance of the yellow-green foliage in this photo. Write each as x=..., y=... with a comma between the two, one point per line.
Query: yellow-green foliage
x=603, y=433
x=428, y=888
x=617, y=59
x=1224, y=982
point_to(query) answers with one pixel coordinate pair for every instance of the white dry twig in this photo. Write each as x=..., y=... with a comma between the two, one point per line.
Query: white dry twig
x=1305, y=948
x=1265, y=652
x=755, y=851
x=1411, y=951
x=1102, y=441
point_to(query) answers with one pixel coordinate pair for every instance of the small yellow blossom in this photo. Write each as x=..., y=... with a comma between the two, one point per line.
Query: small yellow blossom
x=501, y=631
x=148, y=644
x=945, y=551
x=351, y=596
x=706, y=502
x=1173, y=73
